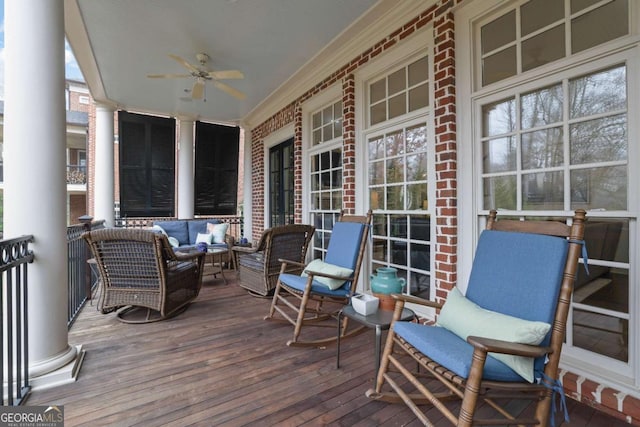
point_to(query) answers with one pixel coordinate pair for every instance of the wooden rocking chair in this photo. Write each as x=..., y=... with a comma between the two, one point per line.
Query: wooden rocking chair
x=325, y=286
x=501, y=340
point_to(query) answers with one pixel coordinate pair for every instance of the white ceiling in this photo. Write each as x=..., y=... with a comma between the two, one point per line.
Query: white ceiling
x=118, y=42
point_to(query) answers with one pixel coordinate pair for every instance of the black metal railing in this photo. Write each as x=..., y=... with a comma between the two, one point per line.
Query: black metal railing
x=76, y=174
x=80, y=281
x=15, y=255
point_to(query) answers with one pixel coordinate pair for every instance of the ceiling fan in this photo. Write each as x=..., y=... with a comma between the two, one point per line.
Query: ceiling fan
x=202, y=75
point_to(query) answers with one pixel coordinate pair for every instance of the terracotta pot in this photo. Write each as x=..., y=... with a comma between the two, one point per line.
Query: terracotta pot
x=386, y=301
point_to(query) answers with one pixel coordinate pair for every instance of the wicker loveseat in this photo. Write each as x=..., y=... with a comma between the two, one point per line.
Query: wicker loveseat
x=259, y=267
x=139, y=270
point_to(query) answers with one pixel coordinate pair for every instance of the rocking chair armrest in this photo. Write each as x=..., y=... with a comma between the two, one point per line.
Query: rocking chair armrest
x=312, y=273
x=416, y=300
x=289, y=262
x=506, y=347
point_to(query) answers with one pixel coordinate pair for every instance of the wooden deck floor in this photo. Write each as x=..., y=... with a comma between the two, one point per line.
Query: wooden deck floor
x=220, y=364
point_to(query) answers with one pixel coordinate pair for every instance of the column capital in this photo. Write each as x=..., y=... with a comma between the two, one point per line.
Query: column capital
x=104, y=106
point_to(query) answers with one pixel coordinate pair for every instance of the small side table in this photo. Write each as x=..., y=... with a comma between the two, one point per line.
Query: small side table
x=212, y=253
x=380, y=320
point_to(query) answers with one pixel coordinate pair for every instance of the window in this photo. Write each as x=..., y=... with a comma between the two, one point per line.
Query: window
x=147, y=165
x=561, y=139
x=216, y=169
x=281, y=184
x=400, y=92
x=325, y=159
x=398, y=152
x=542, y=31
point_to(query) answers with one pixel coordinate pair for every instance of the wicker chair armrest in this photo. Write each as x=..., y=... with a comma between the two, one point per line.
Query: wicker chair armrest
x=506, y=347
x=416, y=300
x=244, y=249
x=189, y=256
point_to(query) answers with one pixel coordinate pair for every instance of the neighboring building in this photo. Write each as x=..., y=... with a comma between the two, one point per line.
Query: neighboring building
x=529, y=107
x=78, y=103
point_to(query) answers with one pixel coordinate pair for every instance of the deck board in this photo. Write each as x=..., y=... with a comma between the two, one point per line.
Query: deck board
x=219, y=363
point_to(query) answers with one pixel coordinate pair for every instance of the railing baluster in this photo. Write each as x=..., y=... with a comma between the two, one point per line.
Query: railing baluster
x=14, y=257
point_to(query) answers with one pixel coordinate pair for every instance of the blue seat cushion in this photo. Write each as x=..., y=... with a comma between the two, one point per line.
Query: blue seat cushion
x=299, y=283
x=344, y=244
x=447, y=349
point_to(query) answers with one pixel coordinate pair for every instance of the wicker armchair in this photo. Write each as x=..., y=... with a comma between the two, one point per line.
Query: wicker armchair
x=259, y=267
x=141, y=276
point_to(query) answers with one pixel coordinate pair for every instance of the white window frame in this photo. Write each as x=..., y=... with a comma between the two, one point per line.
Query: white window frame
x=415, y=47
x=623, y=376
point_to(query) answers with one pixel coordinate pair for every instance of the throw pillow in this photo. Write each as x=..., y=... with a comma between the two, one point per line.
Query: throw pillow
x=204, y=238
x=465, y=318
x=156, y=228
x=218, y=231
x=319, y=266
x=174, y=242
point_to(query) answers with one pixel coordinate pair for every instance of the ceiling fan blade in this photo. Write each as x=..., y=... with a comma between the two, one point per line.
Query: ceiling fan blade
x=231, y=91
x=167, y=76
x=227, y=74
x=197, y=91
x=184, y=63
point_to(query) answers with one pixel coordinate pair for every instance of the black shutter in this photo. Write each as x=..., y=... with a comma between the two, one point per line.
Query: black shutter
x=147, y=165
x=216, y=169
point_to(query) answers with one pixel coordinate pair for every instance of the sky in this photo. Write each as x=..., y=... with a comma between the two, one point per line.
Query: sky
x=72, y=71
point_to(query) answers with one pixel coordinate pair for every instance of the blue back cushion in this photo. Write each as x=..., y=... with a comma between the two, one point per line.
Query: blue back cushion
x=177, y=229
x=518, y=274
x=344, y=244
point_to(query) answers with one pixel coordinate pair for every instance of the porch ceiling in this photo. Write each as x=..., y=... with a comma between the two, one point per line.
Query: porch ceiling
x=117, y=43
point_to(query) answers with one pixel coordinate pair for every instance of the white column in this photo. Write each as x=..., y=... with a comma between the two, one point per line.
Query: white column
x=185, y=170
x=104, y=165
x=35, y=173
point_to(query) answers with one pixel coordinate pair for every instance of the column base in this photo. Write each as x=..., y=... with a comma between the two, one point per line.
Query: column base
x=66, y=374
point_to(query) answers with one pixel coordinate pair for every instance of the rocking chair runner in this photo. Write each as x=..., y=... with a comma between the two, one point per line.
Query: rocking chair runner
x=523, y=275
x=325, y=286
x=141, y=275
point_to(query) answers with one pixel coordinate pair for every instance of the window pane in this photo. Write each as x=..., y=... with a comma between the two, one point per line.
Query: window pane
x=317, y=120
x=599, y=188
x=578, y=5
x=376, y=173
x=542, y=107
x=395, y=144
x=397, y=81
x=317, y=136
x=598, y=93
x=327, y=132
x=379, y=252
x=337, y=199
x=395, y=197
x=499, y=66
x=416, y=139
x=419, y=71
x=499, y=117
x=376, y=148
x=378, y=113
x=416, y=196
x=377, y=91
x=419, y=97
x=542, y=149
x=499, y=155
x=543, y=48
x=603, y=334
x=395, y=170
x=599, y=140
x=327, y=115
x=398, y=105
x=600, y=25
x=543, y=191
x=498, y=32
x=376, y=198
x=500, y=192
x=537, y=14
x=417, y=167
